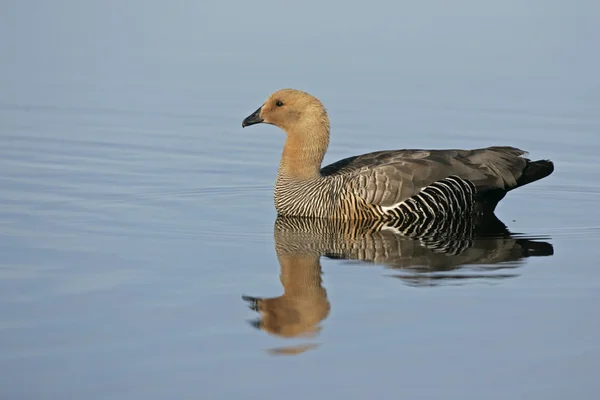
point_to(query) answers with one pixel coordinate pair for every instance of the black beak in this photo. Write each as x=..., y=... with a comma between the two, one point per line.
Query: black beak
x=253, y=118
x=252, y=302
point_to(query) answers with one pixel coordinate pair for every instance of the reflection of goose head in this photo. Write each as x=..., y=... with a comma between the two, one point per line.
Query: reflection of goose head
x=303, y=304
x=442, y=246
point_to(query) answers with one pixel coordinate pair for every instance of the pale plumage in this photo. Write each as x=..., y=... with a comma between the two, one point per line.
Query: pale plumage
x=385, y=184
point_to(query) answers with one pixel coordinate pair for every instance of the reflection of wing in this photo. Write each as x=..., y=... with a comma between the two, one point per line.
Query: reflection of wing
x=420, y=248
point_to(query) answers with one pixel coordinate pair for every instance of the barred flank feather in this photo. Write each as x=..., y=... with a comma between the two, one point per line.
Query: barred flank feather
x=327, y=198
x=452, y=196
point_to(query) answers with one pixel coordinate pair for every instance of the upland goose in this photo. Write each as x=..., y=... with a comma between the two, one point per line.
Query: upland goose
x=383, y=185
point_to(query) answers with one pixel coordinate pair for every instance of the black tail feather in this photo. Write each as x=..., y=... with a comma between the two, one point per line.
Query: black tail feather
x=534, y=171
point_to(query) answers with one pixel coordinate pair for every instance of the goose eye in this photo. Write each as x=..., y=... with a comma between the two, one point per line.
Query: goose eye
x=278, y=103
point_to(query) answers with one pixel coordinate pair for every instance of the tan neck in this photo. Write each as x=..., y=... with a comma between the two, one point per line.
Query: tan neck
x=304, y=150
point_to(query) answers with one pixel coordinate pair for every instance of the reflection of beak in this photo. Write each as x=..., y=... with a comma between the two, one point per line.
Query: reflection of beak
x=255, y=323
x=252, y=302
x=253, y=118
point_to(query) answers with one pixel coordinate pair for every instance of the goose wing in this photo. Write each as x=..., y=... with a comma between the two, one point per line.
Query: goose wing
x=387, y=178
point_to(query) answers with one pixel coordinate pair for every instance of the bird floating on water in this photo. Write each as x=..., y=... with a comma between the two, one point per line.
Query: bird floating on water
x=384, y=185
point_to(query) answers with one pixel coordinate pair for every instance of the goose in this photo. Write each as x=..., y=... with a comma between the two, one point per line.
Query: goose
x=412, y=184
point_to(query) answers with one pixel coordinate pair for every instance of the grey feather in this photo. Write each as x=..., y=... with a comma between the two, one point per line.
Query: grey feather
x=386, y=178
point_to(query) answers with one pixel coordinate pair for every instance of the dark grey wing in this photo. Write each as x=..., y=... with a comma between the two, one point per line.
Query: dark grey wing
x=388, y=177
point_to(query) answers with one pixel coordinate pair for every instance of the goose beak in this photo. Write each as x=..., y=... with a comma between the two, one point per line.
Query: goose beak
x=252, y=302
x=253, y=118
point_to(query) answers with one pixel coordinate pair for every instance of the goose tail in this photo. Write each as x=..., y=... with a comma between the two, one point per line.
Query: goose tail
x=534, y=171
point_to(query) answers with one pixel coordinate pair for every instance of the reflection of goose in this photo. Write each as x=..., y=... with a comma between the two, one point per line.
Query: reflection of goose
x=300, y=242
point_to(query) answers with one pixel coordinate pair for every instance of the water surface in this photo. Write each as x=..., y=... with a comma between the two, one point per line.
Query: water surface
x=135, y=212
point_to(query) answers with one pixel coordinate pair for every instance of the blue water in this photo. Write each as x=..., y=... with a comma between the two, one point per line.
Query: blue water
x=135, y=212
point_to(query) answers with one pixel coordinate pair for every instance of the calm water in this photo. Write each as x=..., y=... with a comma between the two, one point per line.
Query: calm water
x=135, y=212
